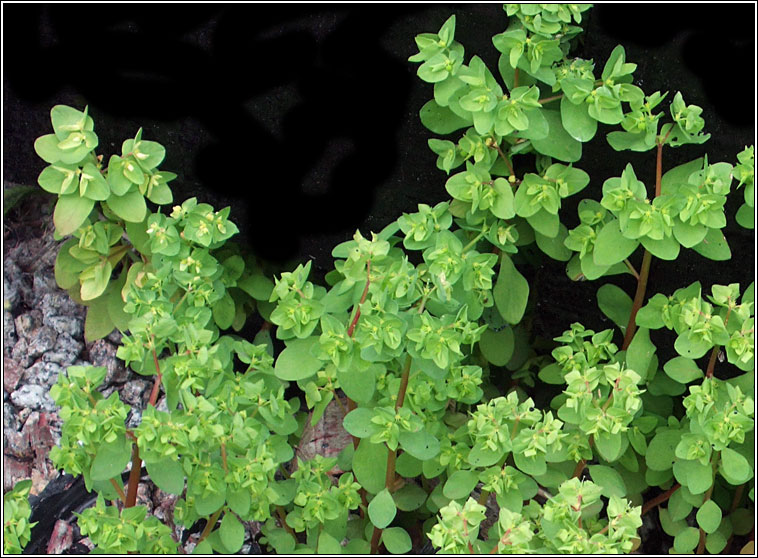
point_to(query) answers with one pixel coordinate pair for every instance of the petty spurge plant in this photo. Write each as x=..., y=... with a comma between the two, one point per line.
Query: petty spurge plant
x=421, y=339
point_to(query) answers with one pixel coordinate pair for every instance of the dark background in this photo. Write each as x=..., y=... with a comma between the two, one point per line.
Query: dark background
x=304, y=118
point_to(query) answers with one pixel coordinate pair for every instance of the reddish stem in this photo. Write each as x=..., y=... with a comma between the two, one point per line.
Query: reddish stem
x=351, y=329
x=658, y=500
x=134, y=476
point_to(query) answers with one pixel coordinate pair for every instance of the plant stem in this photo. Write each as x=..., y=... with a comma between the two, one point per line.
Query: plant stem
x=714, y=465
x=712, y=361
x=134, y=475
x=351, y=328
x=283, y=520
x=660, y=499
x=639, y=296
x=119, y=490
x=389, y=479
x=715, y=352
x=209, y=526
x=549, y=99
x=631, y=268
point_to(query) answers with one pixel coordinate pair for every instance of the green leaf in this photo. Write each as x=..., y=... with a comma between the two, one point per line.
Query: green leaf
x=709, y=516
x=239, y=500
x=98, y=323
x=534, y=465
x=257, y=286
x=689, y=235
x=70, y=213
x=382, y=509
x=110, y=460
x=441, y=120
x=209, y=503
x=327, y=544
x=95, y=279
x=130, y=207
x=295, y=362
x=460, y=484
x=745, y=217
x=686, y=540
x=511, y=292
x=396, y=540
x=47, y=148
x=615, y=304
x=497, y=346
x=545, y=223
x=609, y=479
x=611, y=246
x=554, y=247
x=577, y=121
x=231, y=532
x=503, y=205
x=665, y=249
x=734, y=467
x=67, y=268
x=421, y=445
x=715, y=542
x=558, y=143
x=552, y=374
x=408, y=466
x=691, y=347
x=203, y=547
x=714, y=246
x=673, y=178
x=609, y=445
x=167, y=474
x=359, y=385
x=358, y=422
x=683, y=370
x=660, y=454
x=370, y=465
x=223, y=311
x=410, y=496
x=640, y=352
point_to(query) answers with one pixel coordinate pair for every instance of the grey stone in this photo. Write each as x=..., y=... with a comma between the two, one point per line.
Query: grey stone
x=9, y=330
x=11, y=296
x=28, y=322
x=70, y=325
x=134, y=392
x=20, y=353
x=16, y=285
x=115, y=337
x=44, y=283
x=34, y=397
x=43, y=340
x=58, y=303
x=10, y=418
x=66, y=351
x=134, y=418
x=43, y=373
x=102, y=353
